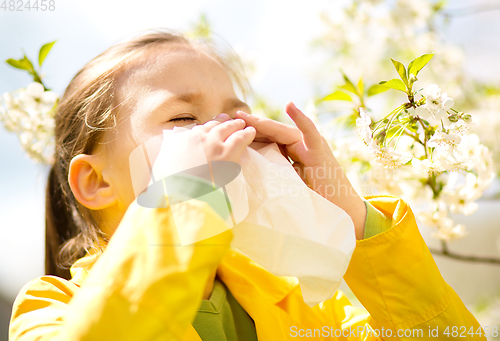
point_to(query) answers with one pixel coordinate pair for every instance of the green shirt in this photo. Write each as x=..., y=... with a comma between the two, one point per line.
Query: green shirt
x=376, y=222
x=221, y=317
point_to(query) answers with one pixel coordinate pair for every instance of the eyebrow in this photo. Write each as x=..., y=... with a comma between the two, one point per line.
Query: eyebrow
x=197, y=98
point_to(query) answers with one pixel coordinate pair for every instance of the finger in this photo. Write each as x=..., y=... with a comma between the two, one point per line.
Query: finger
x=225, y=129
x=311, y=136
x=241, y=139
x=284, y=152
x=261, y=139
x=273, y=130
x=284, y=134
x=222, y=117
x=215, y=121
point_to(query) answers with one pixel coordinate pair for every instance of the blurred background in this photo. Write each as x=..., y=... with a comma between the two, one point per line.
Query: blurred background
x=292, y=53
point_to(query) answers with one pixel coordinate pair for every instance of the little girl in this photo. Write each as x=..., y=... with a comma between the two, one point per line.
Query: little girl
x=131, y=279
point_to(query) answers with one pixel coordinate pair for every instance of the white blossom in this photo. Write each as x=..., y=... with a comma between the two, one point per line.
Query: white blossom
x=389, y=157
x=427, y=167
x=461, y=199
x=452, y=159
x=35, y=99
x=448, y=231
x=436, y=217
x=481, y=158
x=436, y=104
x=364, y=130
x=443, y=139
x=460, y=127
x=29, y=113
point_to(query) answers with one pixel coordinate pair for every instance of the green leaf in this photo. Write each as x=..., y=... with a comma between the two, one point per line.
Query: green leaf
x=418, y=63
x=18, y=64
x=376, y=89
x=412, y=128
x=22, y=64
x=393, y=130
x=395, y=83
x=400, y=68
x=349, y=86
x=44, y=51
x=361, y=86
x=338, y=96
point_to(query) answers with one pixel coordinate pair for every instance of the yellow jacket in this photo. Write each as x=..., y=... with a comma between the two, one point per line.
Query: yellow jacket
x=146, y=286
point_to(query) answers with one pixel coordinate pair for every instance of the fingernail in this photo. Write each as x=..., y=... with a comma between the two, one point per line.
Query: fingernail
x=242, y=113
x=223, y=116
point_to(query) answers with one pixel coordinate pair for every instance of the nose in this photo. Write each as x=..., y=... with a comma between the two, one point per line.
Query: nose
x=221, y=117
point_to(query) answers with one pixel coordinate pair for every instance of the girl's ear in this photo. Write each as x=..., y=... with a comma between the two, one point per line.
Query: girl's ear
x=89, y=187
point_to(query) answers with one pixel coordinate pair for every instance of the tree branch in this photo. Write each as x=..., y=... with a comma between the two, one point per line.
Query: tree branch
x=444, y=252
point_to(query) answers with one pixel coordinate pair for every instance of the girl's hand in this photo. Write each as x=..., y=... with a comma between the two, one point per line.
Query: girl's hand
x=312, y=159
x=224, y=139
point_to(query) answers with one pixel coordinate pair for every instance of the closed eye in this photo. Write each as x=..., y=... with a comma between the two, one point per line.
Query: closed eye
x=182, y=119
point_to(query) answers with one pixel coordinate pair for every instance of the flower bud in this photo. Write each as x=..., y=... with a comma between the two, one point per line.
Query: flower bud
x=380, y=136
x=466, y=117
x=453, y=117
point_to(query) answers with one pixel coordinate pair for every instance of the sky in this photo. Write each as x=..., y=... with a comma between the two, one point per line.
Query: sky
x=274, y=33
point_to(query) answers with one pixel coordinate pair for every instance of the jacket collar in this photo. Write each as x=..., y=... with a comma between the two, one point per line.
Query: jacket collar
x=238, y=272
x=80, y=269
x=256, y=290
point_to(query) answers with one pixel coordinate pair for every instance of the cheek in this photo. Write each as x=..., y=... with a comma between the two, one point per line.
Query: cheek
x=140, y=162
x=152, y=148
x=121, y=176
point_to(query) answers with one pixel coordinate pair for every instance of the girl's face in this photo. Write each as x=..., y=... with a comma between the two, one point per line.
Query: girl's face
x=171, y=86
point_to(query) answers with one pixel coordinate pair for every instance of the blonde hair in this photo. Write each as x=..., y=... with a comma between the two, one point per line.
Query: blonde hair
x=86, y=110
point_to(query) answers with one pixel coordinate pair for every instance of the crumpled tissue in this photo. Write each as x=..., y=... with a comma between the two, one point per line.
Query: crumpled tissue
x=277, y=221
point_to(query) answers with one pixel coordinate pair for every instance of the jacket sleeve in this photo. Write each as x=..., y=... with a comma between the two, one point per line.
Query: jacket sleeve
x=144, y=286
x=395, y=277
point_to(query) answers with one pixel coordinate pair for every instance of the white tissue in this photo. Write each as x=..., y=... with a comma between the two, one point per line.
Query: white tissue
x=277, y=220
x=294, y=231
